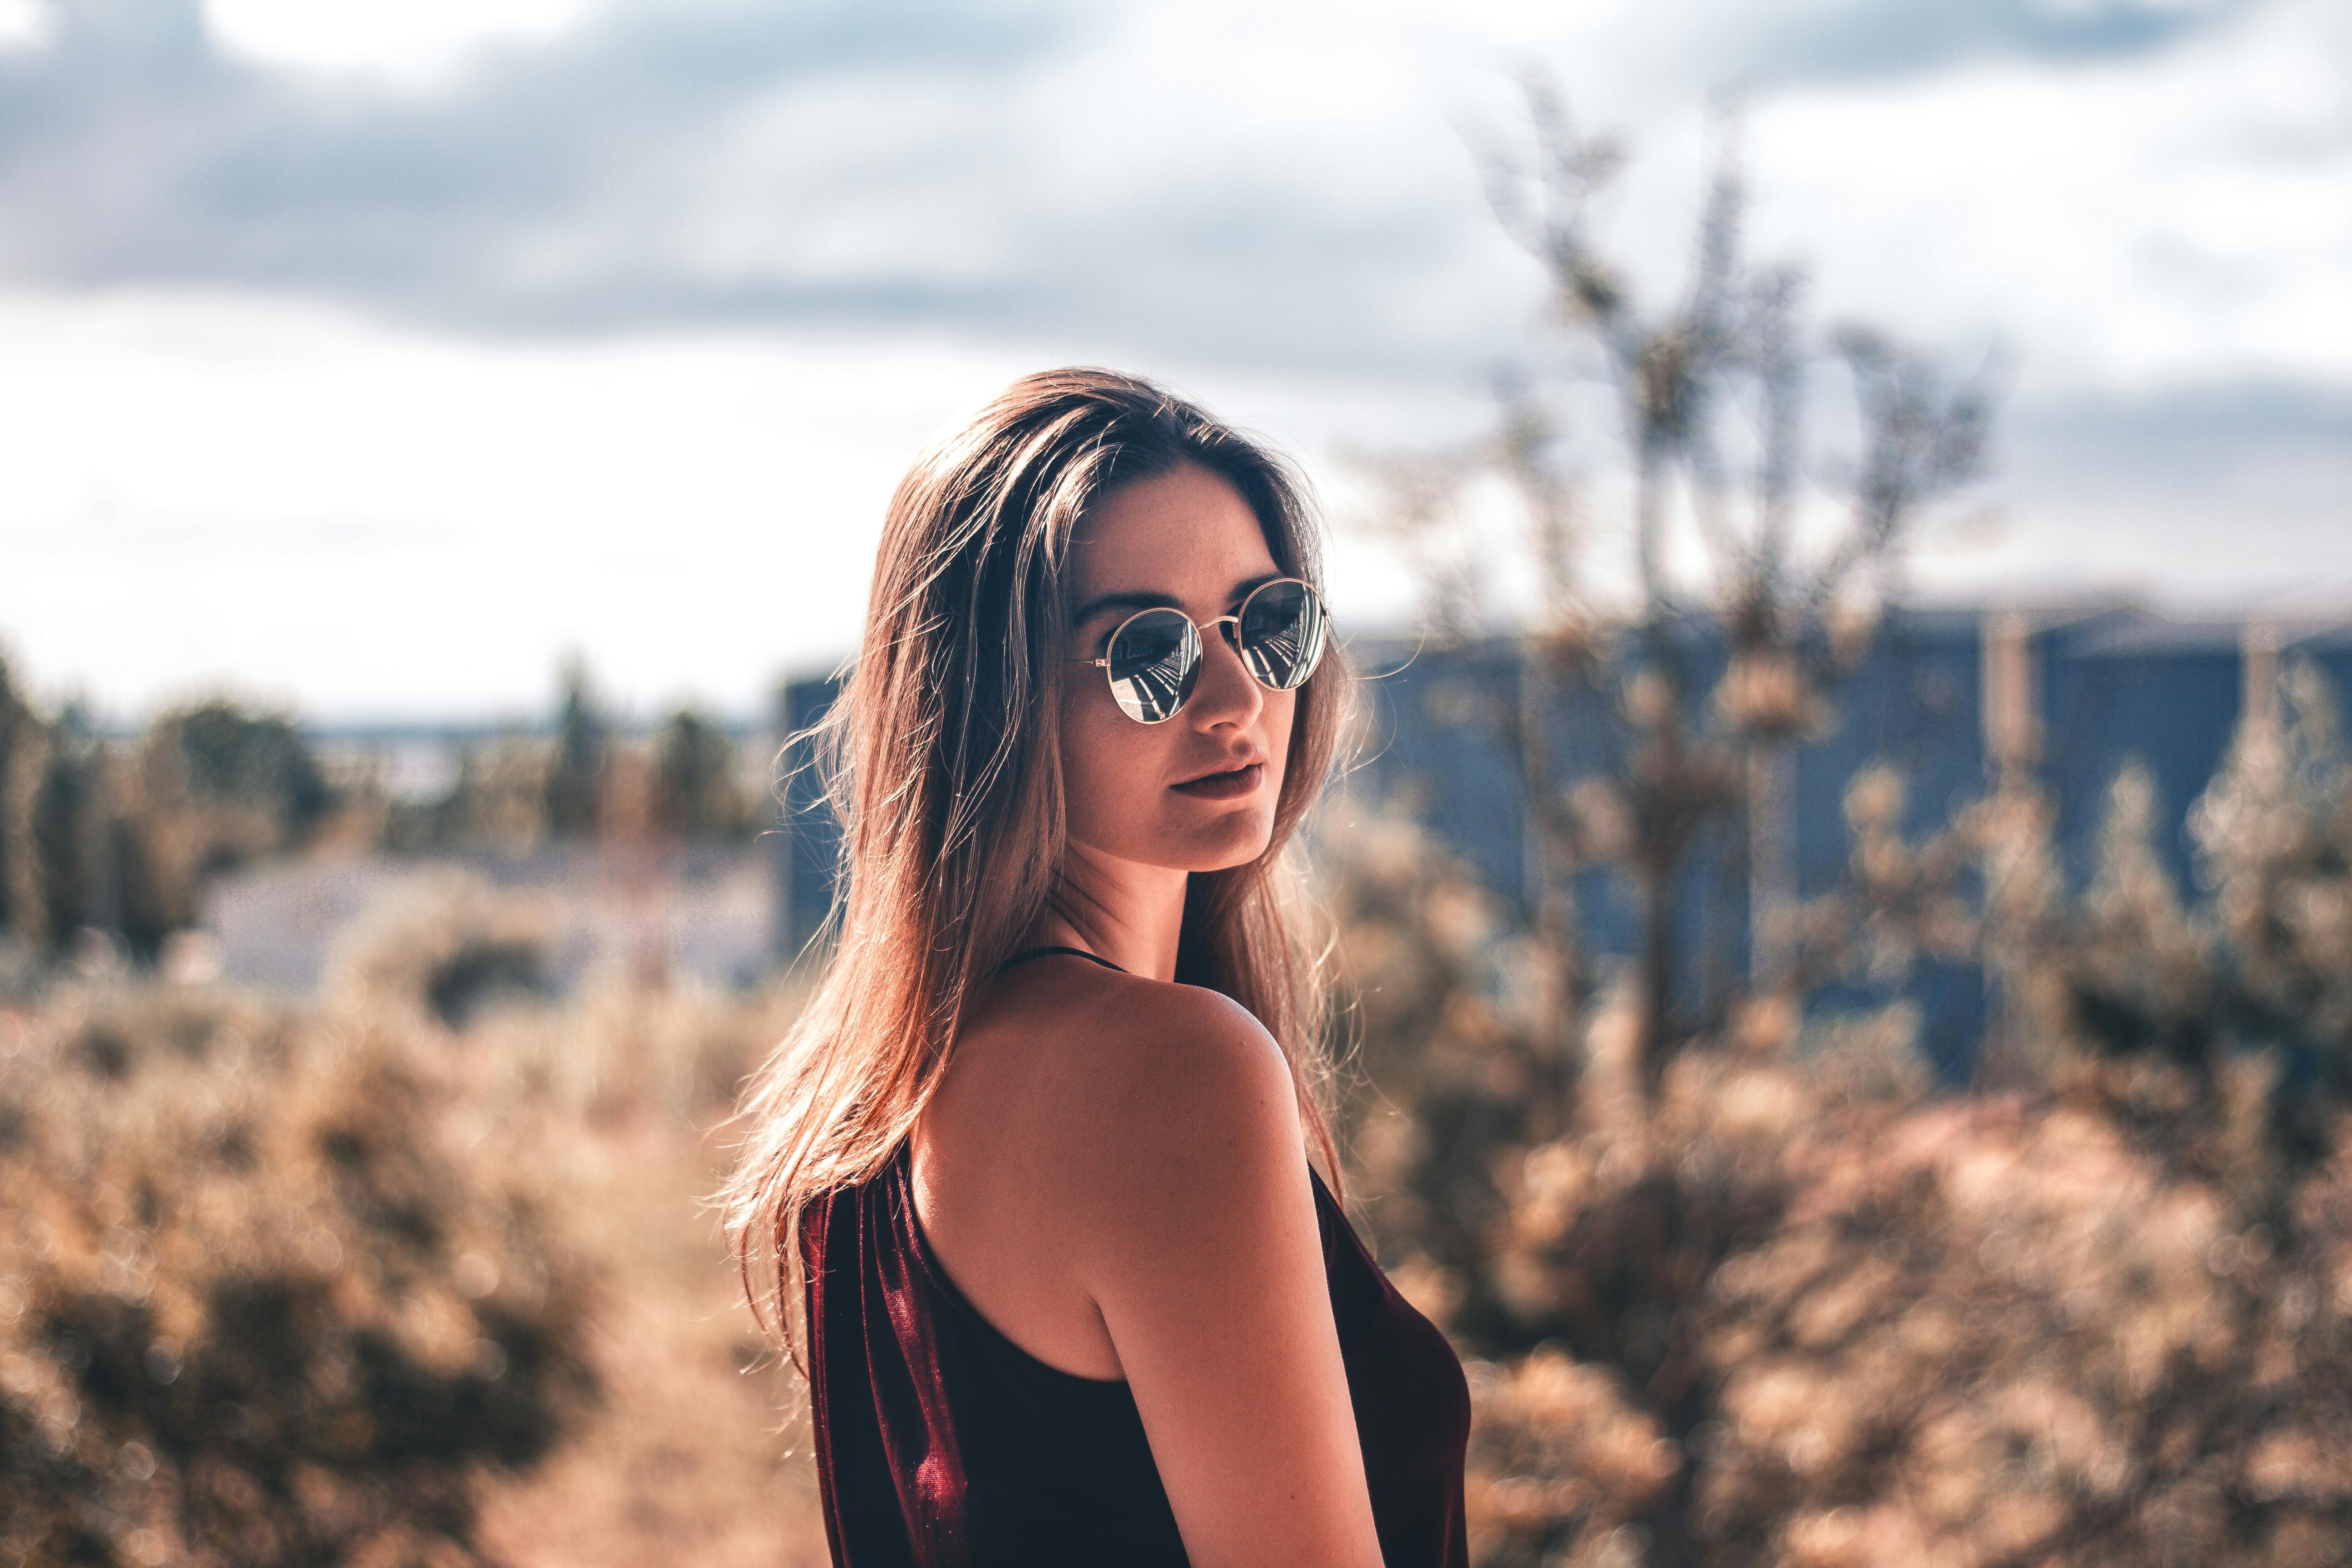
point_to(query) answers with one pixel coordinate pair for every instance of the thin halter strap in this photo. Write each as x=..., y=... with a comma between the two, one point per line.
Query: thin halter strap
x=1042, y=951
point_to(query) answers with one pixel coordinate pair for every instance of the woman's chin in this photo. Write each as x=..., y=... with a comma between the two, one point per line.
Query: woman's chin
x=1188, y=838
x=1236, y=841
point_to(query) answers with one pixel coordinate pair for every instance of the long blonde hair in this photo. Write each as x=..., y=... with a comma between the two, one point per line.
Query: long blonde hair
x=942, y=763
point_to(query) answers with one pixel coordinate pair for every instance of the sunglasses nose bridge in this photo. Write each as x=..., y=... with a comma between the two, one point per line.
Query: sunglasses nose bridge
x=1229, y=690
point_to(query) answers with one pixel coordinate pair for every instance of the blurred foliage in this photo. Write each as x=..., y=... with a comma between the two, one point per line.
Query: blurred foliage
x=1739, y=1282
x=1718, y=388
x=1794, y=1308
x=442, y=949
x=698, y=783
x=575, y=772
x=108, y=842
x=498, y=802
x=217, y=752
x=256, y=1312
x=382, y=1279
x=115, y=838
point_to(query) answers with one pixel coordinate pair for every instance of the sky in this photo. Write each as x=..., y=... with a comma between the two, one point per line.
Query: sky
x=369, y=357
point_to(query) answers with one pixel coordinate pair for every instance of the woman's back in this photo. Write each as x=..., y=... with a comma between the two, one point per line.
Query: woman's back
x=968, y=1401
x=1015, y=1132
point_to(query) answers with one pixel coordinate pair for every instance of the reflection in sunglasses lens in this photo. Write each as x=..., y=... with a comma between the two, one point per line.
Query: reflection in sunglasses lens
x=1281, y=633
x=1154, y=660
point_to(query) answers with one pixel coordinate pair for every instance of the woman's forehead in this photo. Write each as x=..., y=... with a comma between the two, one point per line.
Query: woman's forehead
x=1187, y=533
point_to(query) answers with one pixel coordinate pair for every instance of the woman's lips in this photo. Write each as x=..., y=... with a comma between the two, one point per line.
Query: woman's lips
x=1230, y=785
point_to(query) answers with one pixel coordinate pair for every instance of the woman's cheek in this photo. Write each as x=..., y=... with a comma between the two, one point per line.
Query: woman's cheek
x=1093, y=771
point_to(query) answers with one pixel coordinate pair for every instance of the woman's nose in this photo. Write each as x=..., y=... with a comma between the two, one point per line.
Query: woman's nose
x=1225, y=693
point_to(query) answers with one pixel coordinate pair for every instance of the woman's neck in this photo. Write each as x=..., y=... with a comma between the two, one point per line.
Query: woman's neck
x=1123, y=910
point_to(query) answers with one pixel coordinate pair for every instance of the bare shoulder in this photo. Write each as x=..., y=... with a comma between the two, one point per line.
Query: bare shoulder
x=1171, y=1115
x=1184, y=1041
x=1117, y=1084
x=1091, y=1125
x=1191, y=1228
x=1139, y=1071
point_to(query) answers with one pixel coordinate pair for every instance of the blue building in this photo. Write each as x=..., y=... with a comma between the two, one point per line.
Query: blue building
x=1942, y=695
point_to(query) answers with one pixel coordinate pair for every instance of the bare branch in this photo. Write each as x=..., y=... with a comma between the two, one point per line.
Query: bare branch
x=1920, y=443
x=1528, y=448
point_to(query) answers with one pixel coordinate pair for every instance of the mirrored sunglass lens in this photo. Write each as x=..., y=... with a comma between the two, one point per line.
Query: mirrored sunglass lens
x=1154, y=659
x=1281, y=633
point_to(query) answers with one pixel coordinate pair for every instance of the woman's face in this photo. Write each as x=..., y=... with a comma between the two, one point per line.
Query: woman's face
x=1197, y=792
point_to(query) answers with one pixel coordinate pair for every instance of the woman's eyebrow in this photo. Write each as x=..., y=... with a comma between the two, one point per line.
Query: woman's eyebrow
x=1132, y=600
x=1148, y=599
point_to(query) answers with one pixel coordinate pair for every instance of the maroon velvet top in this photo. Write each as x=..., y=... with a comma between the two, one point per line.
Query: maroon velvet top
x=940, y=1442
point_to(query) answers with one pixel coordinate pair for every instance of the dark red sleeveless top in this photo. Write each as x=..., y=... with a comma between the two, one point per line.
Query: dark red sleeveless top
x=939, y=1442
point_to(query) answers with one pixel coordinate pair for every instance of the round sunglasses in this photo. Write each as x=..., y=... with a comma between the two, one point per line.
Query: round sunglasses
x=1153, y=657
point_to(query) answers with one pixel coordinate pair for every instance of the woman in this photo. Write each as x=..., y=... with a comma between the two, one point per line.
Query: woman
x=1026, y=1192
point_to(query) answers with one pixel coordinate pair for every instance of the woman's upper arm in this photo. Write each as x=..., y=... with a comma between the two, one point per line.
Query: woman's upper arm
x=1202, y=1252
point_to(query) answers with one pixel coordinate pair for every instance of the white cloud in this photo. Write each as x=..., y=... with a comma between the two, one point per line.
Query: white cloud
x=406, y=43
x=1259, y=204
x=2126, y=222
x=24, y=24
x=293, y=502
x=370, y=520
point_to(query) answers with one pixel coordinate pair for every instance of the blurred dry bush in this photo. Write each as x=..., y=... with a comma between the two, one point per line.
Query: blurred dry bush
x=470, y=964
x=1793, y=1308
x=415, y=1274
x=256, y=1311
x=1738, y=1285
x=619, y=1050
x=441, y=947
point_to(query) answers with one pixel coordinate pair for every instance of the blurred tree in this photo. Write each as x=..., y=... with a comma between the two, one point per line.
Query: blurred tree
x=696, y=791
x=214, y=786
x=1752, y=1293
x=116, y=840
x=219, y=753
x=1712, y=392
x=57, y=830
x=2274, y=837
x=18, y=727
x=575, y=775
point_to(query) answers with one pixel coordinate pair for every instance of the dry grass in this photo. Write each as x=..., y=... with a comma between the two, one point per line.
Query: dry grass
x=685, y=1461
